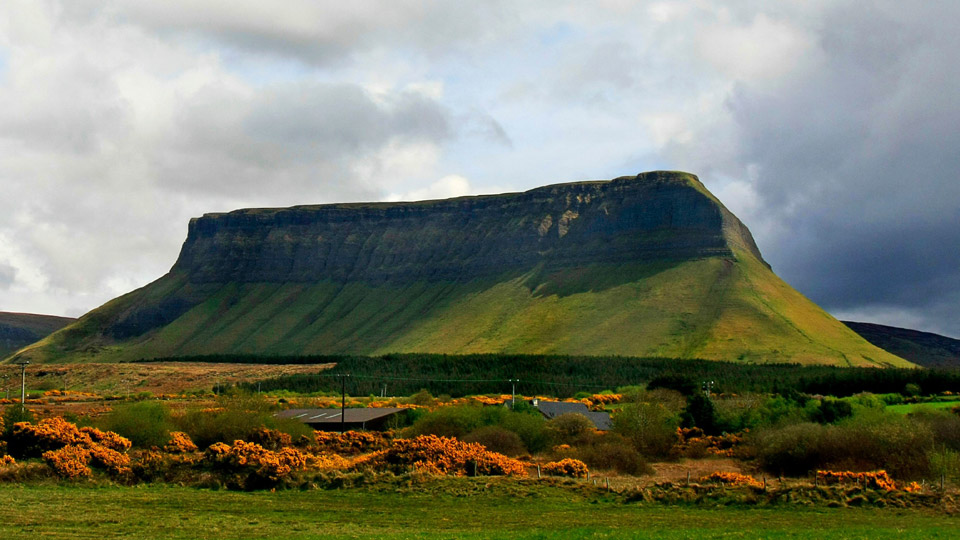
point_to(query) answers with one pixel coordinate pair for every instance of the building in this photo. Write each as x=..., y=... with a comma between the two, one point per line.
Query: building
x=553, y=409
x=373, y=418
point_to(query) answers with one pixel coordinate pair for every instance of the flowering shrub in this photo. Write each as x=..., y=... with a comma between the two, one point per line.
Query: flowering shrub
x=69, y=461
x=108, y=459
x=444, y=456
x=107, y=439
x=733, y=479
x=7, y=460
x=573, y=468
x=875, y=480
x=351, y=442
x=48, y=434
x=253, y=464
x=329, y=462
x=148, y=465
x=179, y=443
x=270, y=439
x=693, y=443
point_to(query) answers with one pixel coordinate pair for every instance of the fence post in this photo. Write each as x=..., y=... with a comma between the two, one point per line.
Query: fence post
x=538, y=471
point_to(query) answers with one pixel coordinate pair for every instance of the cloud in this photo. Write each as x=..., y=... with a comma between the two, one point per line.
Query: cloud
x=449, y=186
x=828, y=127
x=855, y=161
x=7, y=275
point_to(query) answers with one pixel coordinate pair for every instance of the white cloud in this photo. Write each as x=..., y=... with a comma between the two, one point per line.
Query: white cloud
x=449, y=186
x=829, y=127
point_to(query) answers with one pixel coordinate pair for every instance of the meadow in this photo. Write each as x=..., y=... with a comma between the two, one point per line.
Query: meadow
x=448, y=508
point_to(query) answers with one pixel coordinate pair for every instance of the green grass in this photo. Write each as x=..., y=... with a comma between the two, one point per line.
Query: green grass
x=906, y=408
x=157, y=512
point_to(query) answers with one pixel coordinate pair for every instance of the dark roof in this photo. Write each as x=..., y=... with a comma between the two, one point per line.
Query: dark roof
x=601, y=420
x=553, y=409
x=332, y=416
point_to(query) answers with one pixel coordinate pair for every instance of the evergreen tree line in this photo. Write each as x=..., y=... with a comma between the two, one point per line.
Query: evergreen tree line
x=565, y=376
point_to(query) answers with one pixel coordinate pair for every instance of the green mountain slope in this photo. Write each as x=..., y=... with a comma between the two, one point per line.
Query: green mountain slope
x=21, y=329
x=922, y=348
x=651, y=265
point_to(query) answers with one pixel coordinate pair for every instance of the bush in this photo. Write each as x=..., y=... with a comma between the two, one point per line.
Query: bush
x=944, y=425
x=497, y=439
x=458, y=421
x=574, y=468
x=449, y=422
x=570, y=428
x=441, y=455
x=649, y=426
x=145, y=423
x=832, y=410
x=701, y=412
x=236, y=418
x=614, y=453
x=12, y=415
x=871, y=442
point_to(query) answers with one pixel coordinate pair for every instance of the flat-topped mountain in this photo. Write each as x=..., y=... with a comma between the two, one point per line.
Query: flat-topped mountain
x=647, y=265
x=21, y=329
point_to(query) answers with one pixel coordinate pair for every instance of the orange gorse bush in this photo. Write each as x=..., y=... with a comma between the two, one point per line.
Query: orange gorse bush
x=47, y=434
x=733, y=479
x=443, y=456
x=270, y=439
x=110, y=460
x=351, y=442
x=693, y=439
x=573, y=468
x=875, y=479
x=246, y=457
x=328, y=462
x=179, y=443
x=69, y=461
x=7, y=460
x=108, y=439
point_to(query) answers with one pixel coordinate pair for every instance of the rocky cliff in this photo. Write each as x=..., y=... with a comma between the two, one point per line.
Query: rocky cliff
x=643, y=265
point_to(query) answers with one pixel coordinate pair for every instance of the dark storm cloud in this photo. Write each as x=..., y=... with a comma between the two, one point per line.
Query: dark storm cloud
x=858, y=163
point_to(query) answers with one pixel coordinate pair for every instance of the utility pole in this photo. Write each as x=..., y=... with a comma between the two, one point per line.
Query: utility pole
x=343, y=401
x=513, y=392
x=23, y=380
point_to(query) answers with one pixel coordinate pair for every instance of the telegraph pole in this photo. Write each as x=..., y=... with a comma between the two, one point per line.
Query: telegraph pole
x=513, y=392
x=343, y=402
x=23, y=380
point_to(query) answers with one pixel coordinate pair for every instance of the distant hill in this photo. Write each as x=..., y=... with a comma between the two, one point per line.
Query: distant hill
x=921, y=348
x=646, y=265
x=21, y=329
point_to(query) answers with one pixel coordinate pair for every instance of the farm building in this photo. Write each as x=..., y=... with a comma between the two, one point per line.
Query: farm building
x=553, y=409
x=374, y=419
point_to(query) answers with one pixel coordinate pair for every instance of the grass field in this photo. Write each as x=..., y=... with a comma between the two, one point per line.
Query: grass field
x=906, y=408
x=465, y=509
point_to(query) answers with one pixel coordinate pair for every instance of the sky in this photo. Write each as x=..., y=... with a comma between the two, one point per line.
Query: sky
x=831, y=128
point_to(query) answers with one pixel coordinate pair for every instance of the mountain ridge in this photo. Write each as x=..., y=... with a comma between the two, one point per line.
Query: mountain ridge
x=646, y=265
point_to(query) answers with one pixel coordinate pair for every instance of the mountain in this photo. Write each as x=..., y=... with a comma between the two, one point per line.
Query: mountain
x=922, y=348
x=646, y=265
x=21, y=329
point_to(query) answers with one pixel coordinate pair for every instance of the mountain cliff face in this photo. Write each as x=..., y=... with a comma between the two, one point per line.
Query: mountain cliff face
x=645, y=265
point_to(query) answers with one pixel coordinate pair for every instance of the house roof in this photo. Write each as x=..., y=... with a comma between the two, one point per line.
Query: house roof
x=553, y=409
x=332, y=416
